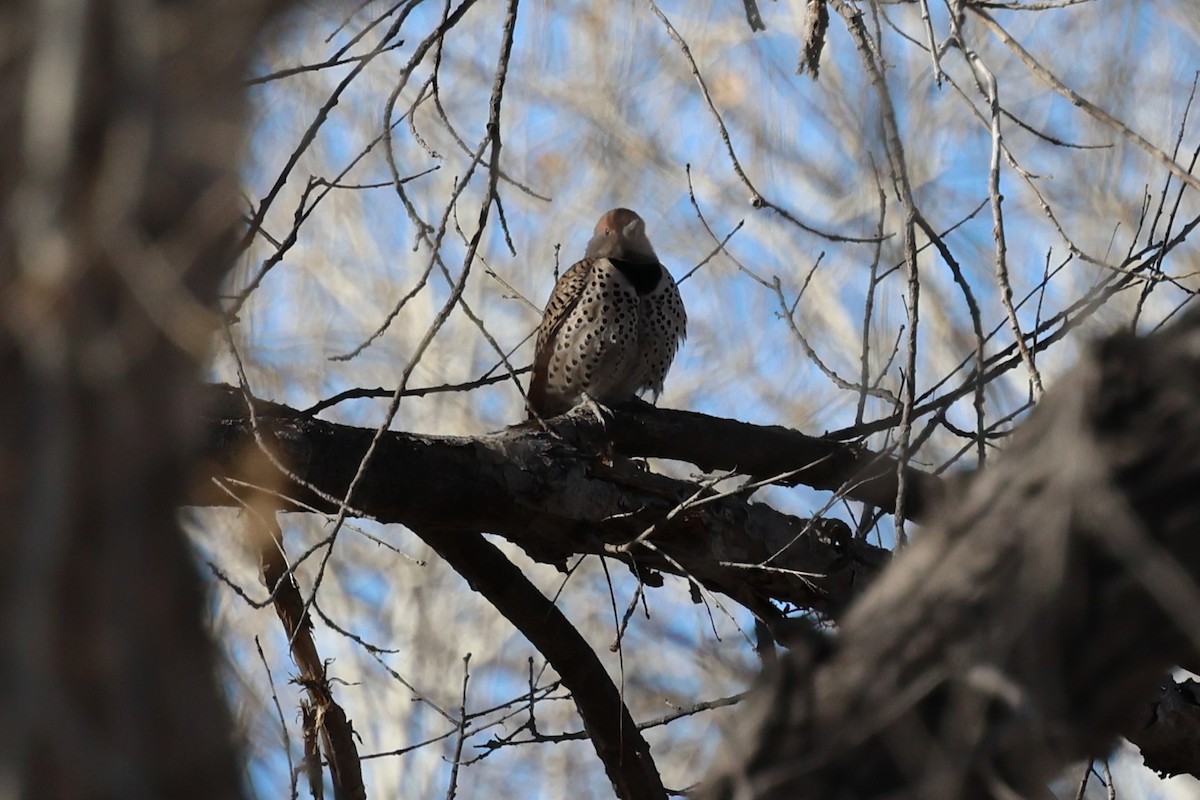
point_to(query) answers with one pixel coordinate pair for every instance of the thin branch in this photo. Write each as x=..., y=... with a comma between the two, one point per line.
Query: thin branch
x=894, y=147
x=461, y=737
x=363, y=394
x=1076, y=99
x=985, y=80
x=757, y=199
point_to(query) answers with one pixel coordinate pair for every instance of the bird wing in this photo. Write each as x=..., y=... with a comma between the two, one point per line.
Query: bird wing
x=563, y=300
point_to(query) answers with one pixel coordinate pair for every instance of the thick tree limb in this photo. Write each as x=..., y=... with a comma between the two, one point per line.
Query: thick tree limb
x=557, y=500
x=1028, y=627
x=764, y=452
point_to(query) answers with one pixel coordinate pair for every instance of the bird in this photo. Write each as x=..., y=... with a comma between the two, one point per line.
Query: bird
x=612, y=325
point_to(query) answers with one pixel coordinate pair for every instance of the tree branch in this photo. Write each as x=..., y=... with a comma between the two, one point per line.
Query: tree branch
x=551, y=493
x=612, y=731
x=765, y=452
x=323, y=717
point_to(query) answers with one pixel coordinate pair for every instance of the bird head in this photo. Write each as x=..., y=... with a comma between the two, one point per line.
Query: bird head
x=621, y=234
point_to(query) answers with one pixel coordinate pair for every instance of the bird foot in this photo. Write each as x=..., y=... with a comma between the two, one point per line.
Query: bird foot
x=598, y=410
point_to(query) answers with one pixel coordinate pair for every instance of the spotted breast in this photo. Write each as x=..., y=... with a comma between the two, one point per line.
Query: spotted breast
x=612, y=325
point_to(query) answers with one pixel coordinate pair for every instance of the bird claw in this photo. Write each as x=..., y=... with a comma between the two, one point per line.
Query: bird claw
x=598, y=410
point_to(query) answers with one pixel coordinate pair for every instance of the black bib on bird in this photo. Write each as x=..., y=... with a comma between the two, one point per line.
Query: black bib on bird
x=644, y=277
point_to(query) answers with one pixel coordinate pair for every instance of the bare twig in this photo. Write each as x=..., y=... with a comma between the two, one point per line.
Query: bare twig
x=757, y=199
x=1076, y=99
x=461, y=737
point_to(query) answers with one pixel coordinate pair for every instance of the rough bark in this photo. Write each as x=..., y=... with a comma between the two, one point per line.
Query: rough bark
x=1167, y=729
x=1026, y=629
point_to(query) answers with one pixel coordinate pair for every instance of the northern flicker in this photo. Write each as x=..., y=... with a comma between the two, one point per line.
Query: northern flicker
x=612, y=325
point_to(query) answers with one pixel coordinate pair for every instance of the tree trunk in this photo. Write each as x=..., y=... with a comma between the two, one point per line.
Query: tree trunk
x=1025, y=630
x=120, y=134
